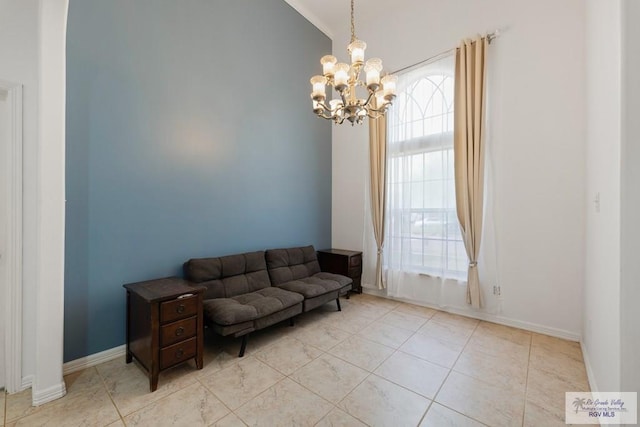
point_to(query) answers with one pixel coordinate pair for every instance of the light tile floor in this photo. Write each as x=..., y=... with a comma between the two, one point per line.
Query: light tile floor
x=378, y=362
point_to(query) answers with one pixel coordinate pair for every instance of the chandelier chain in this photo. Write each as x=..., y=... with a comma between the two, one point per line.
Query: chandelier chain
x=353, y=24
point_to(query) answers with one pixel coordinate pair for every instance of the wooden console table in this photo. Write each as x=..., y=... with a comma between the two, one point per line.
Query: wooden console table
x=164, y=324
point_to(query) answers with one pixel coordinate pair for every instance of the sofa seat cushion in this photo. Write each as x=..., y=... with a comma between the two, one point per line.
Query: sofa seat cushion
x=312, y=287
x=251, y=306
x=343, y=280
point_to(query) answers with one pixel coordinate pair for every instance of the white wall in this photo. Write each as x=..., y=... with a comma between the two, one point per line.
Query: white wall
x=630, y=203
x=19, y=64
x=32, y=48
x=537, y=137
x=601, y=338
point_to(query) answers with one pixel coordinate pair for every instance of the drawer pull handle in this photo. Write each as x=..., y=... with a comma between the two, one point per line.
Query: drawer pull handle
x=179, y=353
x=180, y=309
x=179, y=331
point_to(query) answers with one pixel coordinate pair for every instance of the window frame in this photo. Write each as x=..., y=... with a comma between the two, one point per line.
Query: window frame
x=402, y=150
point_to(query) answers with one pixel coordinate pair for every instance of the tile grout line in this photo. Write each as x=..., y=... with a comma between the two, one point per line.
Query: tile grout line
x=150, y=403
x=377, y=366
x=213, y=394
x=228, y=367
x=300, y=367
x=526, y=380
x=308, y=389
x=335, y=406
x=447, y=377
x=278, y=382
x=104, y=384
x=51, y=404
x=369, y=373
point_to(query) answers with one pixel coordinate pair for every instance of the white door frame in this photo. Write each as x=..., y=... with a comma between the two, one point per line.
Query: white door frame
x=13, y=301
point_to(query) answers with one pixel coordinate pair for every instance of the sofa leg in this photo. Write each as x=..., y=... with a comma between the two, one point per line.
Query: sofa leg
x=338, y=304
x=291, y=321
x=243, y=346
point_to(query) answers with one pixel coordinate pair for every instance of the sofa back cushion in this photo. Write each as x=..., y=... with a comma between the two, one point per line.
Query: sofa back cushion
x=289, y=264
x=228, y=276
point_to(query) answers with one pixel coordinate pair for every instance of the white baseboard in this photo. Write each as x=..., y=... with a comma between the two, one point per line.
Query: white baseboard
x=528, y=326
x=93, y=359
x=52, y=393
x=590, y=374
x=40, y=397
x=27, y=382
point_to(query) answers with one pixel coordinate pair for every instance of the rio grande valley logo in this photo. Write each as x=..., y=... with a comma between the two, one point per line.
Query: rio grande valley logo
x=601, y=408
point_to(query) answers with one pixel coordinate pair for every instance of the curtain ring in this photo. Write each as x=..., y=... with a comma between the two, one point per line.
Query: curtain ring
x=473, y=264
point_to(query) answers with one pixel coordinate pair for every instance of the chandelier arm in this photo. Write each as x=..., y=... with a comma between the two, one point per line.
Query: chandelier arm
x=344, y=100
x=375, y=114
x=382, y=109
x=322, y=116
x=323, y=105
x=326, y=114
x=366, y=103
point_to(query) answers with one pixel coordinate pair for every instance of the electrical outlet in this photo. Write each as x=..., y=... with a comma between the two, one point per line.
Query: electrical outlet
x=496, y=290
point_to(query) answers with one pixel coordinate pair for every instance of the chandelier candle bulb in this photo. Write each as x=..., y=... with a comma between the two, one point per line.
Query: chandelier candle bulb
x=341, y=76
x=328, y=65
x=389, y=86
x=318, y=83
x=356, y=50
x=372, y=68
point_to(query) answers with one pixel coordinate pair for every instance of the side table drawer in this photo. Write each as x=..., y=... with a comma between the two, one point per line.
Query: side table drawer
x=355, y=261
x=178, y=309
x=177, y=353
x=355, y=271
x=177, y=331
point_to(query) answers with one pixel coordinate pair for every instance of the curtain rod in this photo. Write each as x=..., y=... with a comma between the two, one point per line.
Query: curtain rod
x=490, y=37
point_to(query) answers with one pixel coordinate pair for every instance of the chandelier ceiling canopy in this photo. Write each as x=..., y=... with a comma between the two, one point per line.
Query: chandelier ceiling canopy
x=345, y=79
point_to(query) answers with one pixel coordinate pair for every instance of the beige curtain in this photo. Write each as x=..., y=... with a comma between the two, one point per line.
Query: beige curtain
x=378, y=171
x=468, y=148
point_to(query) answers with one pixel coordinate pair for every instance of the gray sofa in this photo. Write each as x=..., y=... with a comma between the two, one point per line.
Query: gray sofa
x=250, y=291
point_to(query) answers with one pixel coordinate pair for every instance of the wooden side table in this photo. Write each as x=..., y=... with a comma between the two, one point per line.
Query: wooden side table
x=164, y=324
x=340, y=261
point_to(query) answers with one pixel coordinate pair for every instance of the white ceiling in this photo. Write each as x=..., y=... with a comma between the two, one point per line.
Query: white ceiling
x=330, y=16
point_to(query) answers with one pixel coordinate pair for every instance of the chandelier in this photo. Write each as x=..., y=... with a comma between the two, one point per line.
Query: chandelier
x=345, y=79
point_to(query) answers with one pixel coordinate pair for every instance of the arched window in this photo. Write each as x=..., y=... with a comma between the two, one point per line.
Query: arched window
x=423, y=234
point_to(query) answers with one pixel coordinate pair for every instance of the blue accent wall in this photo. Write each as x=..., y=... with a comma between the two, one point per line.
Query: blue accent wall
x=189, y=134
